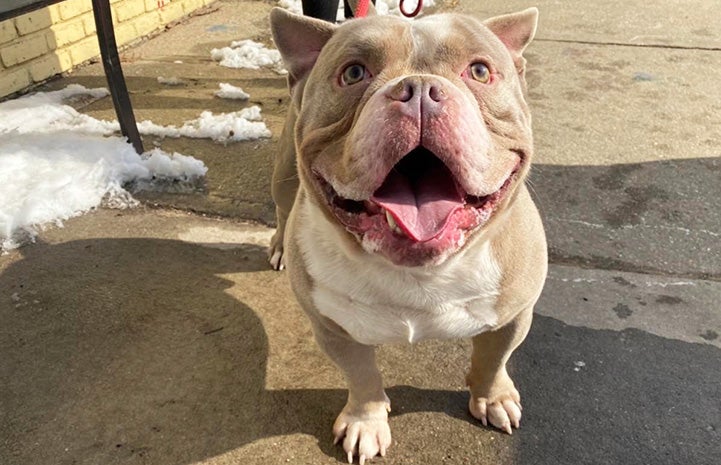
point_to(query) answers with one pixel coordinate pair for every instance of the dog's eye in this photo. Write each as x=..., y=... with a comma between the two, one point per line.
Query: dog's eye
x=353, y=74
x=480, y=72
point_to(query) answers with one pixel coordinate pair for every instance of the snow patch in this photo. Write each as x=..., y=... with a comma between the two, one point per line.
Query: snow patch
x=250, y=55
x=231, y=92
x=245, y=124
x=294, y=6
x=170, y=81
x=56, y=164
x=44, y=112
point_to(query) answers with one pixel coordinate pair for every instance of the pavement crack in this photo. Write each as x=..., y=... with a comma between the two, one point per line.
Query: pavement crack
x=686, y=231
x=609, y=264
x=625, y=44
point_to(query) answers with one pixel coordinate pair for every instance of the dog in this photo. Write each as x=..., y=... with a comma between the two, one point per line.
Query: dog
x=400, y=198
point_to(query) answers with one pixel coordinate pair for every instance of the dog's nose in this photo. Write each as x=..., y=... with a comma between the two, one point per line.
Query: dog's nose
x=427, y=90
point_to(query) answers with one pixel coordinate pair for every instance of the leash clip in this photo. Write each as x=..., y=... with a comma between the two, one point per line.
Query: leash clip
x=413, y=13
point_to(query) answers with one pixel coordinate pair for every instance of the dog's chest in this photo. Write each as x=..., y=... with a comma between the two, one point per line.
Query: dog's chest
x=378, y=303
x=371, y=319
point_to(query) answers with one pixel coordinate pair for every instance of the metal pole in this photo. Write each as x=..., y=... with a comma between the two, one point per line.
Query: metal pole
x=114, y=73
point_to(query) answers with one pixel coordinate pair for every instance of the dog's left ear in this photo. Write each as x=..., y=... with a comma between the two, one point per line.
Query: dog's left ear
x=299, y=40
x=516, y=31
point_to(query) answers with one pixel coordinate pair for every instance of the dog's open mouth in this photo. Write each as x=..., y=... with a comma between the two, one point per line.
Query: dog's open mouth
x=419, y=204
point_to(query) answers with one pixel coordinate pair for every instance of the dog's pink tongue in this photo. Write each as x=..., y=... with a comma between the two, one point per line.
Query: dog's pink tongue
x=422, y=204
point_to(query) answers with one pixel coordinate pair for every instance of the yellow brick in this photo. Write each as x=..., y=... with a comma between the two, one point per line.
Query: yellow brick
x=151, y=5
x=72, y=8
x=147, y=23
x=47, y=66
x=66, y=33
x=125, y=33
x=64, y=59
x=84, y=50
x=88, y=23
x=191, y=5
x=7, y=31
x=13, y=81
x=33, y=22
x=29, y=47
x=128, y=9
x=54, y=12
x=171, y=12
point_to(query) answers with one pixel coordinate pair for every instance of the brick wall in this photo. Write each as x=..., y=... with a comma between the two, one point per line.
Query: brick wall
x=41, y=44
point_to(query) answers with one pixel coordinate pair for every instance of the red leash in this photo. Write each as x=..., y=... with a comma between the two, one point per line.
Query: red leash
x=362, y=9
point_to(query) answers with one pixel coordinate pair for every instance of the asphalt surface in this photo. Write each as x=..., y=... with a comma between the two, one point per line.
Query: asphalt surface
x=159, y=335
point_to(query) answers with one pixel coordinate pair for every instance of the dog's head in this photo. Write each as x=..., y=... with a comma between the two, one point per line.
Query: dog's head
x=412, y=135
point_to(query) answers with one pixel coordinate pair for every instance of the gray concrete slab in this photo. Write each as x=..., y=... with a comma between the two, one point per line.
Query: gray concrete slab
x=681, y=309
x=601, y=104
x=636, y=399
x=667, y=23
x=661, y=217
x=159, y=336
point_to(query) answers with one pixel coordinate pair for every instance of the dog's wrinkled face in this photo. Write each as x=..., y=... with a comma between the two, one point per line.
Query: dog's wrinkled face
x=414, y=135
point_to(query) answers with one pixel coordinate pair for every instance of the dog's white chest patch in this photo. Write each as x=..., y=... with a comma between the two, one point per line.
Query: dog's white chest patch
x=376, y=302
x=374, y=322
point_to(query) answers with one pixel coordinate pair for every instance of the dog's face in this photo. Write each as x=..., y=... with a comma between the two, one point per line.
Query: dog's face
x=412, y=135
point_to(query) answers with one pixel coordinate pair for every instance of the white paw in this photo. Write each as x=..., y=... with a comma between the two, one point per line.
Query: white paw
x=502, y=413
x=365, y=435
x=276, y=258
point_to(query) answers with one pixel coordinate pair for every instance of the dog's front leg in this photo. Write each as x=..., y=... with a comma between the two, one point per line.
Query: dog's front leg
x=363, y=422
x=283, y=188
x=494, y=398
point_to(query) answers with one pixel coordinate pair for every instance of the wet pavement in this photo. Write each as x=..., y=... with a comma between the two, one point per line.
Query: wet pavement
x=159, y=336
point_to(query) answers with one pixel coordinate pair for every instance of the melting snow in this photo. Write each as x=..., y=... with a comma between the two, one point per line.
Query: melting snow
x=292, y=5
x=229, y=91
x=55, y=162
x=245, y=124
x=248, y=54
x=170, y=81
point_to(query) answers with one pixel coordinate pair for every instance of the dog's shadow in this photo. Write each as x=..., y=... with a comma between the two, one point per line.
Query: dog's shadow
x=168, y=353
x=132, y=350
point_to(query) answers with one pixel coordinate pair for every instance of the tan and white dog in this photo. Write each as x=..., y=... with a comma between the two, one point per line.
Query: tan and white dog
x=402, y=209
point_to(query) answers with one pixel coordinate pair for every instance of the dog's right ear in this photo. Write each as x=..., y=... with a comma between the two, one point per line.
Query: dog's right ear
x=299, y=40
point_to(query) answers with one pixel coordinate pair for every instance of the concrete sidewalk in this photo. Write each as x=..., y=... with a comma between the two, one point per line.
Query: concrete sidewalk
x=159, y=335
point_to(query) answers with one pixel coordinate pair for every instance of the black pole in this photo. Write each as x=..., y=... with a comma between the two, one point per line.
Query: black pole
x=114, y=73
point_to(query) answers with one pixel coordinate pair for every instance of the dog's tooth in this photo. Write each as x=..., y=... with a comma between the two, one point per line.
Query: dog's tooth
x=389, y=218
x=392, y=223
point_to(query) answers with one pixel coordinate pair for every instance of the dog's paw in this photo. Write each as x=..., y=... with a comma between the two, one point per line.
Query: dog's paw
x=275, y=258
x=275, y=251
x=365, y=434
x=503, y=412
